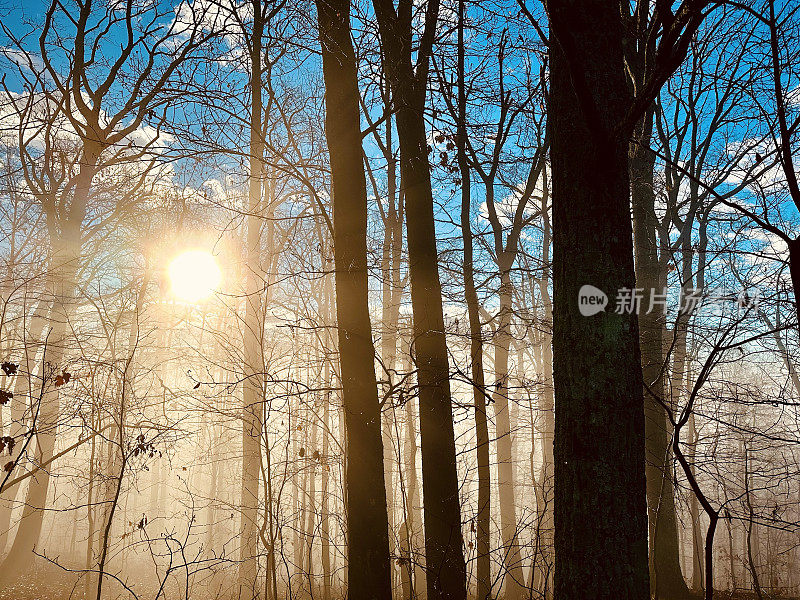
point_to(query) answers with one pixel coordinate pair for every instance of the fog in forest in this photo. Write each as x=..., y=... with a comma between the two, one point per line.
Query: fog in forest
x=385, y=299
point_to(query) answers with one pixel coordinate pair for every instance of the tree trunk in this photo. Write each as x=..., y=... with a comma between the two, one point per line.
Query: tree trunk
x=752, y=544
x=600, y=492
x=389, y=318
x=666, y=579
x=311, y=509
x=368, y=568
x=252, y=395
x=63, y=285
x=212, y=492
x=698, y=577
x=731, y=555
x=483, y=512
x=413, y=505
x=446, y=571
x=301, y=488
x=444, y=553
x=324, y=518
x=23, y=390
x=514, y=580
x=547, y=408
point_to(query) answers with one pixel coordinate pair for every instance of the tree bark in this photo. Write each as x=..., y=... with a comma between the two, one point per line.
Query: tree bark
x=600, y=492
x=252, y=395
x=416, y=573
x=483, y=513
x=23, y=389
x=391, y=296
x=368, y=568
x=698, y=576
x=514, y=580
x=325, y=531
x=545, y=565
x=444, y=553
x=666, y=579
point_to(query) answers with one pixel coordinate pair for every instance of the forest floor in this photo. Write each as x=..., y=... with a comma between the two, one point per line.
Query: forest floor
x=746, y=595
x=50, y=582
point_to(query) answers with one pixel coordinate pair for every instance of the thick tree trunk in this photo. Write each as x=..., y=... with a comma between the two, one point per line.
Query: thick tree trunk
x=368, y=568
x=600, y=492
x=446, y=571
x=21, y=555
x=794, y=271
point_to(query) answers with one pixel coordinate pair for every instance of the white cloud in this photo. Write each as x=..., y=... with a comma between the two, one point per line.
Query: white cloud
x=21, y=58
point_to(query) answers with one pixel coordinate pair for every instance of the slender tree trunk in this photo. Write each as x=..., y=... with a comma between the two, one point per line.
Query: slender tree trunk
x=698, y=582
x=390, y=314
x=444, y=553
x=731, y=555
x=483, y=513
x=391, y=292
x=252, y=395
x=666, y=579
x=325, y=528
x=302, y=499
x=270, y=508
x=155, y=487
x=24, y=389
x=547, y=408
x=311, y=509
x=91, y=511
x=212, y=492
x=752, y=550
x=514, y=581
x=325, y=508
x=600, y=491
x=368, y=568
x=413, y=504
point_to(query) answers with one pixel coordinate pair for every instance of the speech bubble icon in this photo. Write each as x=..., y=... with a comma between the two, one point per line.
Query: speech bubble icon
x=591, y=300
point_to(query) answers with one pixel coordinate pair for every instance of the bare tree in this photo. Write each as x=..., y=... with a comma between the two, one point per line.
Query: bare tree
x=368, y=567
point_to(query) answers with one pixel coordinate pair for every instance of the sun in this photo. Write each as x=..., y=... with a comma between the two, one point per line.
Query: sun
x=194, y=275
